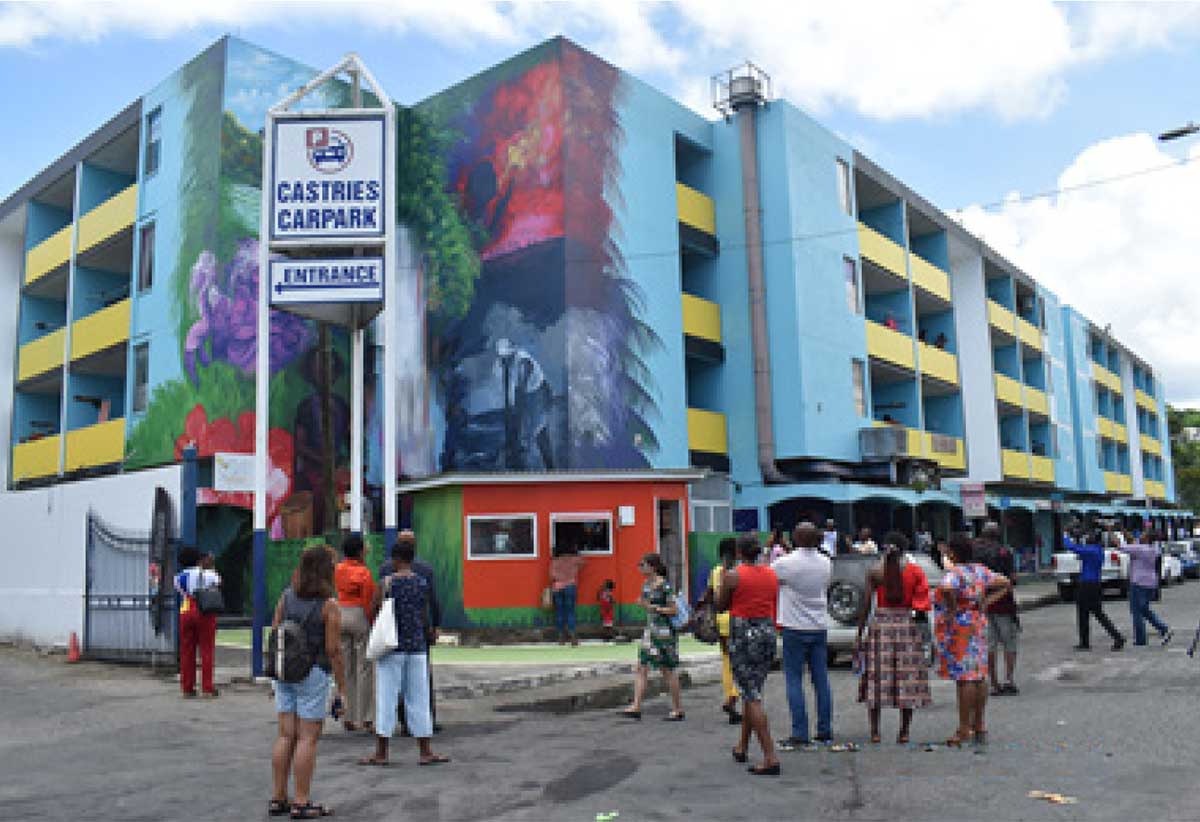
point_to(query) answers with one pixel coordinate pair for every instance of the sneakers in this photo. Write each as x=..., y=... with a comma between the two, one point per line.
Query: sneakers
x=1167, y=637
x=793, y=743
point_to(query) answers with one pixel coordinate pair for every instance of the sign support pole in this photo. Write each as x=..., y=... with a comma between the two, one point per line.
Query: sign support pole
x=356, y=376
x=388, y=319
x=262, y=384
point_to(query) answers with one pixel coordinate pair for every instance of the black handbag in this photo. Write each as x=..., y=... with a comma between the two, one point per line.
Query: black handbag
x=209, y=600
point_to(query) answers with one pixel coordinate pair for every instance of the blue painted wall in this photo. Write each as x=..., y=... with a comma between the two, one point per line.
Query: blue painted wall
x=28, y=408
x=99, y=184
x=43, y=220
x=82, y=413
x=1058, y=390
x=888, y=220
x=95, y=289
x=933, y=248
x=34, y=310
x=1090, y=475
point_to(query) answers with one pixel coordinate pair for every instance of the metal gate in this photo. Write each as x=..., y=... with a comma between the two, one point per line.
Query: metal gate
x=130, y=613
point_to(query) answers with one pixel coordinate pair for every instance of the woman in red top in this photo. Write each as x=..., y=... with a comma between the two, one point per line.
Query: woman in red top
x=894, y=672
x=751, y=594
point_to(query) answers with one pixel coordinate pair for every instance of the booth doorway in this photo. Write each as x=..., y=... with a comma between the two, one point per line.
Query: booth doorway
x=670, y=541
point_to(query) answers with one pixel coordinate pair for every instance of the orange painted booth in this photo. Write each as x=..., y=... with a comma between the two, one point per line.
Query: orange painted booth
x=490, y=538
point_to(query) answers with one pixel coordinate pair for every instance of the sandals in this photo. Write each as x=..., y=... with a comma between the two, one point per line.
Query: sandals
x=901, y=739
x=764, y=770
x=629, y=714
x=373, y=762
x=279, y=807
x=310, y=810
x=998, y=690
x=674, y=716
x=435, y=759
x=739, y=756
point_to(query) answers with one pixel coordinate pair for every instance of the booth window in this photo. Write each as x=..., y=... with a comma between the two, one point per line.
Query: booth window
x=504, y=536
x=590, y=533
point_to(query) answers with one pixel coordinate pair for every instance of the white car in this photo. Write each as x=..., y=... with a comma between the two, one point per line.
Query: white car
x=1172, y=567
x=1114, y=574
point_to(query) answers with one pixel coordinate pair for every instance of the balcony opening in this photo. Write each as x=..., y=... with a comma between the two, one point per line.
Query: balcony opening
x=97, y=391
x=893, y=395
x=935, y=324
x=699, y=275
x=927, y=239
x=51, y=210
x=40, y=316
x=37, y=410
x=1041, y=434
x=1006, y=361
x=1033, y=371
x=693, y=165
x=879, y=208
x=1028, y=306
x=1014, y=434
x=886, y=300
x=999, y=286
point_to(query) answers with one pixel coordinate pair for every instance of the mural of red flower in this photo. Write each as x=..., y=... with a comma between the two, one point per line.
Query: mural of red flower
x=224, y=435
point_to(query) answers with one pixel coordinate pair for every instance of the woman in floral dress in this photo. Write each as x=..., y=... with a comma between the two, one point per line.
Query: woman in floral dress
x=960, y=627
x=659, y=648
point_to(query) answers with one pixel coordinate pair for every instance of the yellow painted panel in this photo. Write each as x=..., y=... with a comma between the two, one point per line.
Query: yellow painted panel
x=938, y=363
x=1029, y=334
x=1150, y=445
x=886, y=344
x=100, y=444
x=1106, y=378
x=1015, y=463
x=953, y=461
x=1117, y=483
x=1035, y=401
x=707, y=432
x=1008, y=390
x=1001, y=318
x=929, y=277
x=1120, y=434
x=1156, y=489
x=1043, y=469
x=101, y=330
x=701, y=318
x=48, y=255
x=1105, y=427
x=112, y=215
x=31, y=460
x=695, y=209
x=882, y=251
x=1146, y=401
x=42, y=354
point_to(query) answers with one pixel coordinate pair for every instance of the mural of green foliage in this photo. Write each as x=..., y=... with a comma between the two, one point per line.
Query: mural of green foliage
x=588, y=615
x=241, y=153
x=437, y=521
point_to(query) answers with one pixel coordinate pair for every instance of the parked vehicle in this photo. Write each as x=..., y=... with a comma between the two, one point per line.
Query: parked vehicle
x=1190, y=559
x=848, y=594
x=1114, y=574
x=1173, y=561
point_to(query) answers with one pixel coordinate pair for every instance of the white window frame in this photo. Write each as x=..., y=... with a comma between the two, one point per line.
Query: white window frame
x=470, y=518
x=858, y=366
x=852, y=264
x=845, y=188
x=135, y=408
x=147, y=256
x=153, y=144
x=712, y=506
x=584, y=516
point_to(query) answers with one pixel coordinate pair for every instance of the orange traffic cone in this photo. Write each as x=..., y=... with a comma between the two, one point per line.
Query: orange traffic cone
x=73, y=648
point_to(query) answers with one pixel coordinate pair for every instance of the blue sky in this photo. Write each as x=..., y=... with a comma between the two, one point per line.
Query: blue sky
x=966, y=103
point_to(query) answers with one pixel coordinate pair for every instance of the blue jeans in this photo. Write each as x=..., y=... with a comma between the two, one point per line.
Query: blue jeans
x=402, y=674
x=1139, y=608
x=564, y=609
x=799, y=648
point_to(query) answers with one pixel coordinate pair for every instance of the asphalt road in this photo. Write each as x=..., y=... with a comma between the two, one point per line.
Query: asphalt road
x=1114, y=730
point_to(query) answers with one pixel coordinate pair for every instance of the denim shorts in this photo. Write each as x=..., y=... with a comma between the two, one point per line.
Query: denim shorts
x=306, y=699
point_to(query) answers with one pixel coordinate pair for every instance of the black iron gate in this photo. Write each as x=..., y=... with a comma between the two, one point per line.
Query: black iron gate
x=130, y=612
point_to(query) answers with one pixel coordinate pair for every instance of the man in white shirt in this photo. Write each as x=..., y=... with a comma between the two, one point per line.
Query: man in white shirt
x=803, y=614
x=829, y=539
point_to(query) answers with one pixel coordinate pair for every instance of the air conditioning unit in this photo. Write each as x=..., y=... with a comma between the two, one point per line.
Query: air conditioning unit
x=884, y=442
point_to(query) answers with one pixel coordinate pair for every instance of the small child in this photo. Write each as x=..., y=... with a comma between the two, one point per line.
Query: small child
x=608, y=599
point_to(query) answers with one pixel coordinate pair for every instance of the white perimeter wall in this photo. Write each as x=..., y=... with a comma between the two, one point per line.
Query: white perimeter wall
x=42, y=544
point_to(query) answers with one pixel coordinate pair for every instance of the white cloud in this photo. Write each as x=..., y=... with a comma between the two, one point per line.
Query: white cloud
x=1122, y=252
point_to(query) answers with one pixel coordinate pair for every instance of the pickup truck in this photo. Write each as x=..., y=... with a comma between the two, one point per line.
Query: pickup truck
x=1114, y=574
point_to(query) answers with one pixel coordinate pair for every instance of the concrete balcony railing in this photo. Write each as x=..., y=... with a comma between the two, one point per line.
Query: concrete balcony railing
x=1042, y=469
x=107, y=219
x=1150, y=445
x=96, y=445
x=35, y=459
x=1117, y=483
x=701, y=318
x=1029, y=334
x=1145, y=401
x=882, y=251
x=1001, y=318
x=939, y=364
x=1106, y=378
x=1008, y=390
x=103, y=329
x=48, y=255
x=929, y=277
x=1155, y=489
x=695, y=209
x=707, y=432
x=1015, y=464
x=888, y=345
x=42, y=355
x=1036, y=401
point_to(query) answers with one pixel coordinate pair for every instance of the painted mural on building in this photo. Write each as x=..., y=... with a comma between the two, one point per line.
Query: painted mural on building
x=536, y=336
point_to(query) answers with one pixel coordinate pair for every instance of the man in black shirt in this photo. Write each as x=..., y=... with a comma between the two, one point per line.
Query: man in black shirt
x=433, y=619
x=1004, y=629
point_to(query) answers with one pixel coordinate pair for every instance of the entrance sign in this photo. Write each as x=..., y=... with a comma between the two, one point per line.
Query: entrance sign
x=233, y=472
x=327, y=178
x=342, y=280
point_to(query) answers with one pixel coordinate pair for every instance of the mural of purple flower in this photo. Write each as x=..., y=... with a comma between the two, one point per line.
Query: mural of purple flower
x=227, y=328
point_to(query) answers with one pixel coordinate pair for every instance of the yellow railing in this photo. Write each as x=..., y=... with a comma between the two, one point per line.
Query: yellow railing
x=42, y=355
x=1029, y=334
x=938, y=363
x=1001, y=318
x=929, y=277
x=695, y=209
x=886, y=344
x=99, y=444
x=707, y=432
x=1014, y=463
x=701, y=318
x=881, y=250
x=1104, y=426
x=39, y=458
x=1106, y=378
x=1008, y=390
x=1150, y=445
x=953, y=461
x=1120, y=434
x=1036, y=401
x=104, y=329
x=1118, y=483
x=1043, y=469
x=1156, y=489
x=48, y=255
x=111, y=216
x=1146, y=401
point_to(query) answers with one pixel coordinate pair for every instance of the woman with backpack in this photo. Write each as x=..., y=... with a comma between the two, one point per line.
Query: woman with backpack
x=306, y=610
x=197, y=621
x=660, y=642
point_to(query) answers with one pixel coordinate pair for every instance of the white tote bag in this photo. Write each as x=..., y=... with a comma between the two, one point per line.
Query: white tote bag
x=383, y=633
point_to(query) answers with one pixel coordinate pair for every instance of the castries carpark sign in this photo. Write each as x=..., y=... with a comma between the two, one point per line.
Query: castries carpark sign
x=327, y=178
